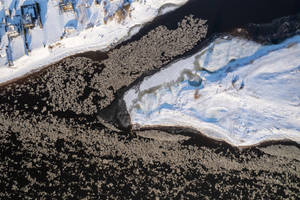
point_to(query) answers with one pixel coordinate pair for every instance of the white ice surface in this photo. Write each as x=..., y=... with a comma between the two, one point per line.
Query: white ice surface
x=249, y=93
x=90, y=32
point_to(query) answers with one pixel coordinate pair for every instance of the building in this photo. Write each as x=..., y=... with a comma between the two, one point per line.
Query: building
x=13, y=30
x=66, y=6
x=12, y=25
x=31, y=15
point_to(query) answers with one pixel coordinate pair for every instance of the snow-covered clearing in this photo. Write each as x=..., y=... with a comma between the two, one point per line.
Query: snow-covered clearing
x=234, y=90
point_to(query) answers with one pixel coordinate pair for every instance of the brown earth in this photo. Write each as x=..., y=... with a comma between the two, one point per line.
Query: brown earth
x=54, y=147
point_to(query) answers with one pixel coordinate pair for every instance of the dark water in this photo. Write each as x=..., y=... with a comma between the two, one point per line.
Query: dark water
x=222, y=16
x=93, y=55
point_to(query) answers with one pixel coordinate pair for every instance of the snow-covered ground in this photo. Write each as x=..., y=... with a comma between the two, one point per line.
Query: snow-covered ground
x=89, y=27
x=234, y=90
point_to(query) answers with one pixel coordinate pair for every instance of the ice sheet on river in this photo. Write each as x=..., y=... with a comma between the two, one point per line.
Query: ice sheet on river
x=234, y=90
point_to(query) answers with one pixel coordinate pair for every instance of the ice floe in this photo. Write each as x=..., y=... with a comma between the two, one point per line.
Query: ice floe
x=234, y=90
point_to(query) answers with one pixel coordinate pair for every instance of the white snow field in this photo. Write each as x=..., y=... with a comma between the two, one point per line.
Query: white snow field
x=234, y=90
x=89, y=27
